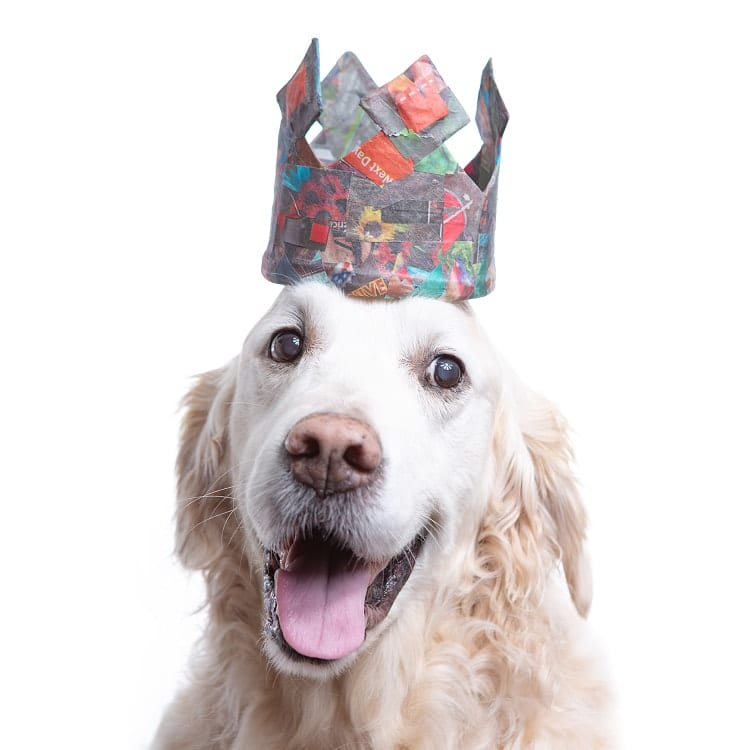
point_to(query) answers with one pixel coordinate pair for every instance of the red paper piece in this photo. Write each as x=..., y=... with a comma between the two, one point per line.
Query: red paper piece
x=379, y=160
x=296, y=92
x=319, y=233
x=418, y=102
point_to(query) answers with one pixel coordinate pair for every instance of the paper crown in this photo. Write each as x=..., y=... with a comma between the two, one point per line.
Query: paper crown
x=375, y=203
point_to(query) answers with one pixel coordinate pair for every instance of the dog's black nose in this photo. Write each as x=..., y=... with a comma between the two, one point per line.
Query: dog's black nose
x=332, y=453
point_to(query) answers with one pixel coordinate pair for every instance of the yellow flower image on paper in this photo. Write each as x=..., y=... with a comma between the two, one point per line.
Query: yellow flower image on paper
x=371, y=228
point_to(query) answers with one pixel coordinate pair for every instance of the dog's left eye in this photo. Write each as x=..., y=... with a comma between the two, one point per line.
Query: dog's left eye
x=445, y=371
x=285, y=346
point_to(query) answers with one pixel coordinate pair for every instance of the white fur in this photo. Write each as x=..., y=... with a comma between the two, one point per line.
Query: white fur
x=485, y=647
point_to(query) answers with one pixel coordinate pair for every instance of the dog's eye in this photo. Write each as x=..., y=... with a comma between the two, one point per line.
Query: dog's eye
x=445, y=371
x=285, y=346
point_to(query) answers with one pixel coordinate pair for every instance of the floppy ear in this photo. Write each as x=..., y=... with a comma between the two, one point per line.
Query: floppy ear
x=535, y=516
x=205, y=505
x=560, y=510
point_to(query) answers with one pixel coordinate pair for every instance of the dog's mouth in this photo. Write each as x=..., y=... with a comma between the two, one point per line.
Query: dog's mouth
x=321, y=599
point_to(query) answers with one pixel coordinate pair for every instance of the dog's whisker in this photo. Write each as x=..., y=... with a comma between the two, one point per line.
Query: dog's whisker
x=233, y=467
x=208, y=497
x=191, y=498
x=234, y=533
x=216, y=480
x=243, y=553
x=206, y=520
x=211, y=494
x=224, y=525
x=432, y=527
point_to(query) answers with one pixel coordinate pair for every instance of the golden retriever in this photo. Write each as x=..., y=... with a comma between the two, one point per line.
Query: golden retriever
x=386, y=520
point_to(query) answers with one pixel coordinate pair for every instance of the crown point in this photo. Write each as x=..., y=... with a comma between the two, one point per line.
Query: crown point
x=300, y=99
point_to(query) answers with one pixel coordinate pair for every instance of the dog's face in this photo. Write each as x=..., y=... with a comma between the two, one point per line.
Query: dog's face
x=357, y=433
x=359, y=459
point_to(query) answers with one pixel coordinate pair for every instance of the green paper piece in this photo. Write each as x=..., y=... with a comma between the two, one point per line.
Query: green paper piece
x=463, y=251
x=440, y=161
x=433, y=284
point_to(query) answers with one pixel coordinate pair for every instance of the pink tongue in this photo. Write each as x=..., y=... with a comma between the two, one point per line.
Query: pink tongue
x=320, y=600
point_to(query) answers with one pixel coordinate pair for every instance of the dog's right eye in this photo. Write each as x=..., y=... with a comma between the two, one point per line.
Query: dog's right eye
x=285, y=346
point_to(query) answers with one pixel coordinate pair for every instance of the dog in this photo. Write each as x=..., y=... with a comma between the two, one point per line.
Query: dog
x=392, y=542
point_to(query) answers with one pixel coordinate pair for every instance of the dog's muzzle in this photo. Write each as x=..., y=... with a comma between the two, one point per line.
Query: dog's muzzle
x=321, y=597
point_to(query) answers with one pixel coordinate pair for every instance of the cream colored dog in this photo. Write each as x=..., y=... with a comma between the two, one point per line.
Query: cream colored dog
x=382, y=513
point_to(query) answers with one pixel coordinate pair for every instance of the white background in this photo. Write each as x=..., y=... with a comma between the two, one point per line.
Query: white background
x=137, y=146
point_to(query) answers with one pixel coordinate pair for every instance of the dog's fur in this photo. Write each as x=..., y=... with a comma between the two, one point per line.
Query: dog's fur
x=485, y=646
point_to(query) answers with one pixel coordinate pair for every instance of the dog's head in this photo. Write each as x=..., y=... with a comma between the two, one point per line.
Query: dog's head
x=353, y=452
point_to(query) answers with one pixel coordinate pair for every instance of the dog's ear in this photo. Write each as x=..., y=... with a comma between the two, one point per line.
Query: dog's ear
x=536, y=516
x=205, y=505
x=561, y=512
